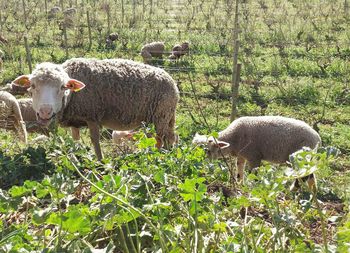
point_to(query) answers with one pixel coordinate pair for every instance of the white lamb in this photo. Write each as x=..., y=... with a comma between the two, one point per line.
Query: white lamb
x=269, y=138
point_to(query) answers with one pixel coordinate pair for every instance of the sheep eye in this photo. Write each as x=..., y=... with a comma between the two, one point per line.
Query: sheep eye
x=32, y=86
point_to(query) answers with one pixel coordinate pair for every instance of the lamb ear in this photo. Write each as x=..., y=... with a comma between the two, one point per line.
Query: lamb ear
x=223, y=144
x=74, y=85
x=22, y=81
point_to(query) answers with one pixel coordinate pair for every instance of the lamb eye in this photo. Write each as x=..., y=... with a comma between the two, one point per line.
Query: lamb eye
x=32, y=86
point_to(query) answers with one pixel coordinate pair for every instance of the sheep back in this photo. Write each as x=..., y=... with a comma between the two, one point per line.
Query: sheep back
x=155, y=49
x=270, y=138
x=119, y=94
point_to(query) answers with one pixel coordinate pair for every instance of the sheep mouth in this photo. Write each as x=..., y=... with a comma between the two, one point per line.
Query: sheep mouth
x=44, y=122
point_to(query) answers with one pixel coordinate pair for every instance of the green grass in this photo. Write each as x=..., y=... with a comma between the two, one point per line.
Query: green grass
x=56, y=197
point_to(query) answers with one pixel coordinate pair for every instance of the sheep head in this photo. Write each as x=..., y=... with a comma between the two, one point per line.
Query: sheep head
x=214, y=148
x=48, y=85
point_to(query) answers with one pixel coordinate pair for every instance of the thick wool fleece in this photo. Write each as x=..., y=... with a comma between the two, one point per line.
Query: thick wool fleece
x=11, y=112
x=270, y=138
x=153, y=49
x=121, y=94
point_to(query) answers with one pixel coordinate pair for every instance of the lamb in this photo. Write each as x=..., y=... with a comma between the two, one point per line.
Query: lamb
x=11, y=116
x=269, y=138
x=153, y=49
x=119, y=136
x=115, y=93
x=179, y=50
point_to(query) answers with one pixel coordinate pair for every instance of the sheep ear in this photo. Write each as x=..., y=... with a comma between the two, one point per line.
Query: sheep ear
x=22, y=81
x=223, y=144
x=74, y=85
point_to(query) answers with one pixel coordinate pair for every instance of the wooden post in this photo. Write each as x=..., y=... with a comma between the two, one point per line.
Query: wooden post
x=108, y=10
x=45, y=4
x=133, y=12
x=24, y=13
x=28, y=56
x=123, y=13
x=89, y=29
x=235, y=78
x=65, y=37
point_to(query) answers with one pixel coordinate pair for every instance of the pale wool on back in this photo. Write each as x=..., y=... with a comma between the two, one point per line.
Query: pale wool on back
x=11, y=116
x=253, y=139
x=270, y=138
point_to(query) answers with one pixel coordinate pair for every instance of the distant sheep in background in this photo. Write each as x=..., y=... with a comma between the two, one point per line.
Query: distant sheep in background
x=111, y=38
x=179, y=51
x=269, y=138
x=11, y=116
x=53, y=12
x=153, y=49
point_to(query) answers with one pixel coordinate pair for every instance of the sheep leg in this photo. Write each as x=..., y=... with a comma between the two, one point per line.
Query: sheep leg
x=95, y=138
x=240, y=166
x=253, y=164
x=166, y=132
x=75, y=133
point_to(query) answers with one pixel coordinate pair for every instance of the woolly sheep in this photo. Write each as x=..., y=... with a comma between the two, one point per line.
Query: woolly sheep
x=53, y=12
x=11, y=116
x=113, y=36
x=119, y=136
x=116, y=93
x=153, y=49
x=253, y=139
x=179, y=50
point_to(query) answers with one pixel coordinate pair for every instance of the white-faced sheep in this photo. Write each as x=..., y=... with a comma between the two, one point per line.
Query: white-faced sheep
x=11, y=116
x=269, y=138
x=116, y=93
x=153, y=49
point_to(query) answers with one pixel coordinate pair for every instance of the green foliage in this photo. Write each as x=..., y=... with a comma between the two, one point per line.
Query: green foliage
x=55, y=196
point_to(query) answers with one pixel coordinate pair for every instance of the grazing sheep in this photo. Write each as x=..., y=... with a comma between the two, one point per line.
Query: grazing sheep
x=53, y=12
x=119, y=136
x=179, y=50
x=153, y=49
x=116, y=93
x=113, y=36
x=11, y=116
x=70, y=12
x=253, y=139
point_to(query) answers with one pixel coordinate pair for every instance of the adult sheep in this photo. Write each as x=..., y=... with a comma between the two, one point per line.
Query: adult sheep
x=253, y=139
x=116, y=93
x=153, y=49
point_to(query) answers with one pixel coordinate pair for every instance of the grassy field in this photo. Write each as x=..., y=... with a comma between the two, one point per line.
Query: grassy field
x=56, y=197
